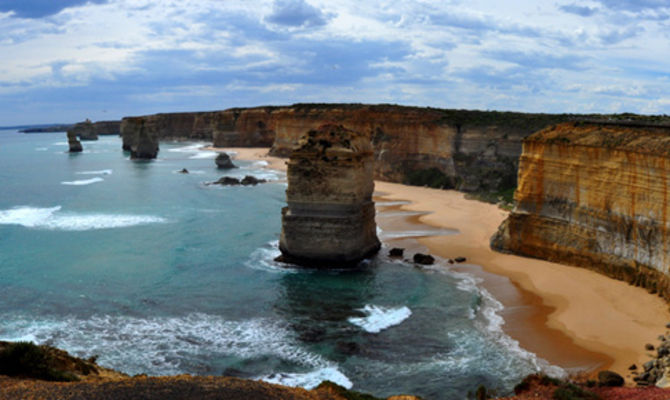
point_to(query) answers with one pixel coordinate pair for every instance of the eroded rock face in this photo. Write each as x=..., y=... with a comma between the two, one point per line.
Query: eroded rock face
x=85, y=130
x=329, y=220
x=461, y=149
x=138, y=139
x=73, y=143
x=595, y=195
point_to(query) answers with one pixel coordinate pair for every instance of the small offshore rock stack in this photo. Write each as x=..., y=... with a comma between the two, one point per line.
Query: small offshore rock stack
x=85, y=130
x=330, y=217
x=138, y=139
x=596, y=195
x=73, y=142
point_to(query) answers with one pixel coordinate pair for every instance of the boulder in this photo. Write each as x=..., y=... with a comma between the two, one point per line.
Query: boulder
x=251, y=180
x=460, y=259
x=424, y=259
x=226, y=181
x=610, y=378
x=183, y=171
x=223, y=161
x=396, y=252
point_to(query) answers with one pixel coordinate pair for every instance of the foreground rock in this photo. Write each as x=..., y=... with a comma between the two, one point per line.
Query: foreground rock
x=595, y=195
x=139, y=138
x=223, y=161
x=330, y=217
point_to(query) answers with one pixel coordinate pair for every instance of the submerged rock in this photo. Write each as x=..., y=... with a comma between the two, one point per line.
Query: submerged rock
x=230, y=181
x=223, y=161
x=330, y=217
x=183, y=171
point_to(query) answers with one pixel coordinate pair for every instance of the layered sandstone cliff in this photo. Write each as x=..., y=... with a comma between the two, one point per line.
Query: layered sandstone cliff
x=466, y=150
x=595, y=195
x=330, y=217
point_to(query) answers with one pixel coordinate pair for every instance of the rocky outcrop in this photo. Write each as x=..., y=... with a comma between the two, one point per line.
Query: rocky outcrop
x=139, y=139
x=88, y=130
x=595, y=195
x=84, y=130
x=74, y=143
x=223, y=161
x=329, y=220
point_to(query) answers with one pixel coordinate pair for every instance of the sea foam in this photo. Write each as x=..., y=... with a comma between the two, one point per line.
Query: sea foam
x=167, y=345
x=82, y=182
x=99, y=172
x=379, y=318
x=53, y=219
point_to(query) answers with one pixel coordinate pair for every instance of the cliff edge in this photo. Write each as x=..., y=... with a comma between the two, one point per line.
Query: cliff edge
x=595, y=195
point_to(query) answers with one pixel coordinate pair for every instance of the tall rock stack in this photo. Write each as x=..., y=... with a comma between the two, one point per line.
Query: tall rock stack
x=73, y=143
x=139, y=139
x=596, y=195
x=330, y=217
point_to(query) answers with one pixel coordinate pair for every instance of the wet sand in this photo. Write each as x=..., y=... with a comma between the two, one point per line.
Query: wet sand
x=570, y=316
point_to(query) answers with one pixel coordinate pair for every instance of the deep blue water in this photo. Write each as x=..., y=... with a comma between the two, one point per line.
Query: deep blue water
x=156, y=272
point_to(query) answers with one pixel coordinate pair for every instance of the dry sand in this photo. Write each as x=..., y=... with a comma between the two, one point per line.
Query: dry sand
x=570, y=316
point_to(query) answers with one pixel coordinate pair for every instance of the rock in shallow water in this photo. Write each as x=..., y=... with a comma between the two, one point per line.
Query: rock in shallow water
x=424, y=259
x=223, y=161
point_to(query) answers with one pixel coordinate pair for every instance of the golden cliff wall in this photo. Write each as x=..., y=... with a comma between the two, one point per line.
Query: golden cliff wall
x=466, y=150
x=595, y=195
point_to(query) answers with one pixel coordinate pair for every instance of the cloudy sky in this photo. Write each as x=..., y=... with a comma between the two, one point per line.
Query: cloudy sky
x=66, y=60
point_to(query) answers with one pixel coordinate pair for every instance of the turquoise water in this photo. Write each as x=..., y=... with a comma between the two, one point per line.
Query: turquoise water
x=156, y=272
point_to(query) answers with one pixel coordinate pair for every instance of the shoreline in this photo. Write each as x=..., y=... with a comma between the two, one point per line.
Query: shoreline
x=570, y=316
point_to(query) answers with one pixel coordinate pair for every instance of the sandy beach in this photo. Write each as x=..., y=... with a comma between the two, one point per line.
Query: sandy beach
x=570, y=316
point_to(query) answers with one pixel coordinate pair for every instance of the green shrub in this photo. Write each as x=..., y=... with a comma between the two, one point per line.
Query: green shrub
x=431, y=177
x=29, y=360
x=568, y=391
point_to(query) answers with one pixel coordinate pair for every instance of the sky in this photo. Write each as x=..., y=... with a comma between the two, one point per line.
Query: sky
x=67, y=60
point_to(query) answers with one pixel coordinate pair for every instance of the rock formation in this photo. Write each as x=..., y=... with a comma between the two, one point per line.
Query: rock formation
x=139, y=139
x=85, y=130
x=466, y=150
x=595, y=195
x=223, y=161
x=74, y=143
x=330, y=217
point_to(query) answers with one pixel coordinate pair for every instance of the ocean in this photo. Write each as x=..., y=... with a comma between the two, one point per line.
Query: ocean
x=156, y=272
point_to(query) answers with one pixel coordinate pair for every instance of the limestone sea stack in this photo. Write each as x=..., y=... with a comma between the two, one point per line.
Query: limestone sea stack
x=595, y=194
x=138, y=138
x=74, y=143
x=330, y=217
x=223, y=161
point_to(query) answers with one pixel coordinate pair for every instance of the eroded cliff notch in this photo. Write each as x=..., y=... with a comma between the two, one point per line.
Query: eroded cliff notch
x=595, y=195
x=330, y=217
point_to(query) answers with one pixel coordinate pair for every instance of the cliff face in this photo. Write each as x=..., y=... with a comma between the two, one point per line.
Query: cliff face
x=330, y=217
x=466, y=150
x=225, y=128
x=84, y=130
x=595, y=195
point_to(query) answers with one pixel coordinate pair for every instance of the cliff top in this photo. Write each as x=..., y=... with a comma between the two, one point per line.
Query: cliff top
x=627, y=136
x=333, y=139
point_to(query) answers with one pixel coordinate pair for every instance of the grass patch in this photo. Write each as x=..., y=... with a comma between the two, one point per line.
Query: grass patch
x=568, y=391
